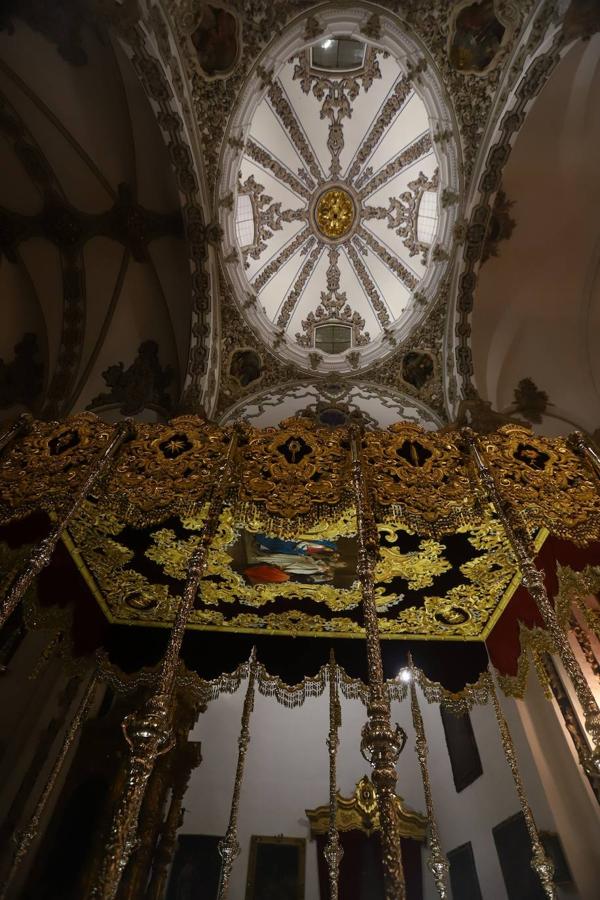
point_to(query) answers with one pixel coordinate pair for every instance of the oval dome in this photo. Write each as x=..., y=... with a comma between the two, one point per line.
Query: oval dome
x=335, y=227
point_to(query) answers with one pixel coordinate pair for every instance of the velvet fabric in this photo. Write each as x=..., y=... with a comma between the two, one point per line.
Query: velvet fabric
x=361, y=870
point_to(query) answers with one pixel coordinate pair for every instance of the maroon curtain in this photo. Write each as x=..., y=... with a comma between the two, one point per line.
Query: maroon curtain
x=361, y=871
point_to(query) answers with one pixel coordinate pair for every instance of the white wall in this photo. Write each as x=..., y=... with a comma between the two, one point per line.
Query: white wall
x=287, y=772
x=575, y=810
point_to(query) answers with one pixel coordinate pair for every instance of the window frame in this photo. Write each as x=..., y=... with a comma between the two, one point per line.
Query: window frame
x=321, y=326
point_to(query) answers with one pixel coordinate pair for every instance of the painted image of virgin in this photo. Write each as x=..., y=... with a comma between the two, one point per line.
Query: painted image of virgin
x=274, y=560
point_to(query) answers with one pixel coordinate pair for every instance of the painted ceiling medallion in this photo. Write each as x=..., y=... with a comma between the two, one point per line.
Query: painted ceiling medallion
x=335, y=185
x=335, y=213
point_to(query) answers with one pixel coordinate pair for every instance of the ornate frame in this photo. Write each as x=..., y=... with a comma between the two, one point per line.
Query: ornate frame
x=255, y=841
x=360, y=812
x=466, y=612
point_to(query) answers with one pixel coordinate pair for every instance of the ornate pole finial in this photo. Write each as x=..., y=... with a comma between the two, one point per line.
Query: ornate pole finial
x=149, y=731
x=41, y=554
x=541, y=864
x=437, y=862
x=333, y=851
x=585, y=447
x=381, y=743
x=229, y=847
x=533, y=579
x=21, y=425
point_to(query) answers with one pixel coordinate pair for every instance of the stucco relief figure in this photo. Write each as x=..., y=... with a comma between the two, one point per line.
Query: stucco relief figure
x=245, y=367
x=500, y=226
x=215, y=40
x=144, y=383
x=478, y=35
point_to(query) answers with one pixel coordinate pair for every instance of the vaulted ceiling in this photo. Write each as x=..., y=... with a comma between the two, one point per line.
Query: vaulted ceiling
x=537, y=304
x=94, y=264
x=169, y=238
x=364, y=135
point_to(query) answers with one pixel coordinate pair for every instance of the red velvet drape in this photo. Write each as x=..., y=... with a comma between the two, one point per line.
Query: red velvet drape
x=361, y=873
x=503, y=643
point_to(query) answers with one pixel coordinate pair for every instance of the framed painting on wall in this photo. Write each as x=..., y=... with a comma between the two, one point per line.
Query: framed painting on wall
x=196, y=868
x=276, y=868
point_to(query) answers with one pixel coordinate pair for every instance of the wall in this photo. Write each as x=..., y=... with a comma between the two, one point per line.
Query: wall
x=287, y=772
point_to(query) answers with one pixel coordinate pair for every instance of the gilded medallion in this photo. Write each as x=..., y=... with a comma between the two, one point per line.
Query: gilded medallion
x=335, y=213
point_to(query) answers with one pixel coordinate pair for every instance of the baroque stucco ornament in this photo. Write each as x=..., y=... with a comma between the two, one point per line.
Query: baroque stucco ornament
x=326, y=171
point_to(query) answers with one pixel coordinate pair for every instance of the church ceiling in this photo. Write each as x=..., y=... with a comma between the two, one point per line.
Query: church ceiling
x=94, y=270
x=335, y=219
x=477, y=53
x=333, y=402
x=336, y=205
x=537, y=302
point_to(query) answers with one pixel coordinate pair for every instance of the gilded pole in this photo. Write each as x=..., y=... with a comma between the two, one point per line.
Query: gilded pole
x=437, y=862
x=588, y=450
x=229, y=848
x=41, y=554
x=149, y=731
x=23, y=839
x=150, y=823
x=541, y=864
x=187, y=759
x=333, y=851
x=533, y=580
x=381, y=743
x=21, y=425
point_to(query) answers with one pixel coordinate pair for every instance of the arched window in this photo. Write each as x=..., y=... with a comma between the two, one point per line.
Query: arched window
x=427, y=217
x=338, y=54
x=333, y=338
x=244, y=221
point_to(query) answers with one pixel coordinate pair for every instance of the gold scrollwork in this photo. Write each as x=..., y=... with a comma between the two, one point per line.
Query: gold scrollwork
x=422, y=475
x=417, y=568
x=167, y=469
x=128, y=595
x=361, y=812
x=46, y=466
x=544, y=480
x=291, y=470
x=296, y=476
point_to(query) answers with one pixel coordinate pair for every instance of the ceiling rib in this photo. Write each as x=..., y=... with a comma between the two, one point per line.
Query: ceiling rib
x=392, y=262
x=408, y=156
x=262, y=157
x=293, y=297
x=274, y=265
x=377, y=304
x=391, y=109
x=286, y=115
